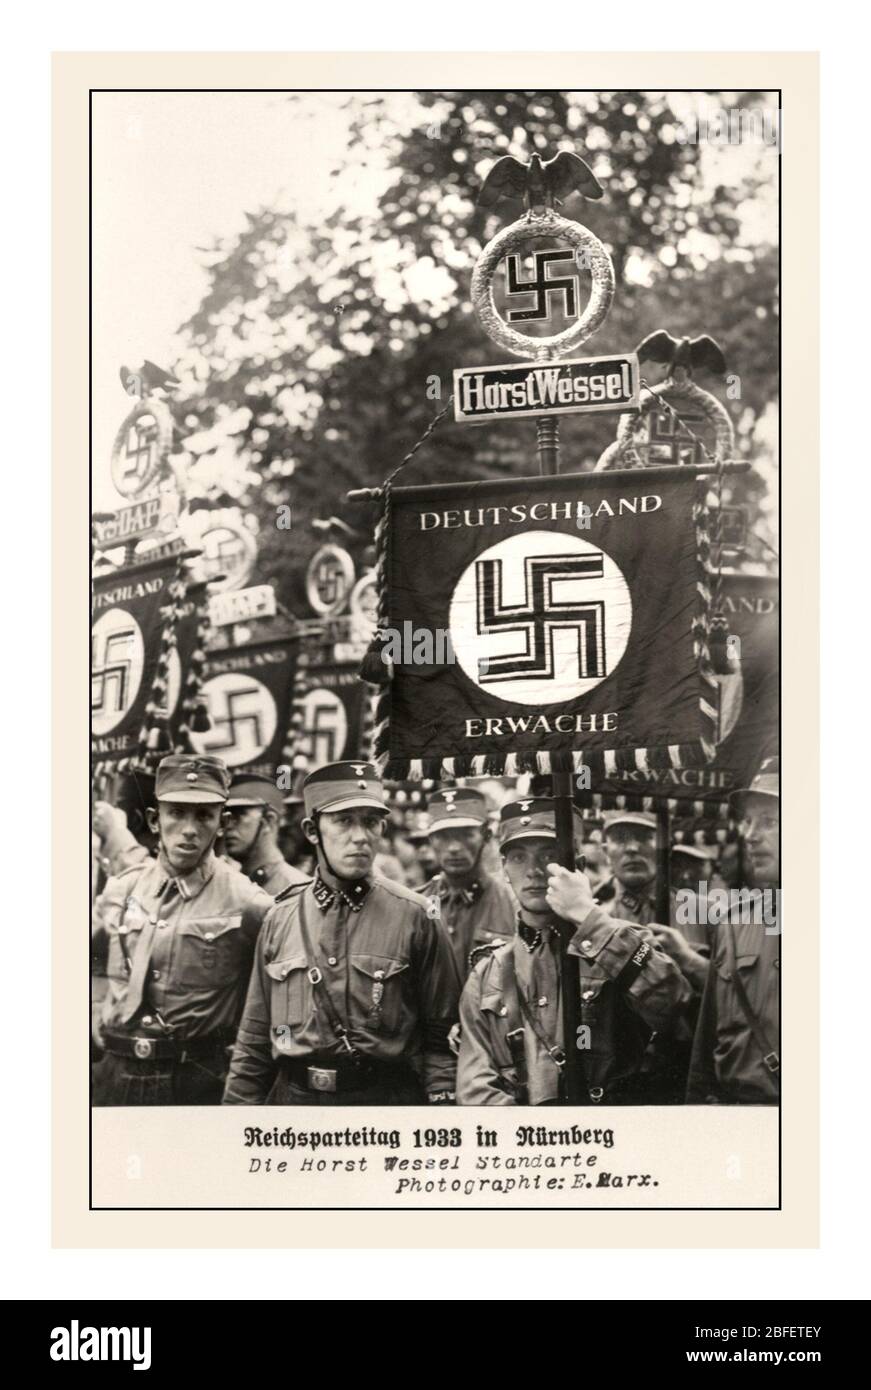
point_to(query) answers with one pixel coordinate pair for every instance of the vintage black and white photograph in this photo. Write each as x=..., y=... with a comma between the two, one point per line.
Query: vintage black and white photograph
x=435, y=689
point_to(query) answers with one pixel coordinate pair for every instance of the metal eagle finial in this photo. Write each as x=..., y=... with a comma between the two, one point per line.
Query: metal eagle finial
x=681, y=356
x=149, y=377
x=540, y=183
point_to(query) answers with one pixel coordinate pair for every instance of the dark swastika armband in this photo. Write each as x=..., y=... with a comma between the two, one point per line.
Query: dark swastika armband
x=634, y=966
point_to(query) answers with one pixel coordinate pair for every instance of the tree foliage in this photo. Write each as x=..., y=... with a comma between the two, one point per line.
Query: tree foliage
x=322, y=352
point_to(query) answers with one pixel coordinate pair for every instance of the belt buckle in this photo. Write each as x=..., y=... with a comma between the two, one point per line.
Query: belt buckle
x=321, y=1078
x=772, y=1062
x=143, y=1048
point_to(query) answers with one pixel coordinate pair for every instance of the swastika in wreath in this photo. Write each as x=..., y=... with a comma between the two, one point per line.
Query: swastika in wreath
x=671, y=441
x=542, y=287
x=540, y=617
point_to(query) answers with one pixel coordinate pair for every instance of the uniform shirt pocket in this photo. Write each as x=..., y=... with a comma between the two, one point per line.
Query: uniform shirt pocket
x=209, y=952
x=745, y=961
x=291, y=1005
x=591, y=984
x=376, y=989
x=495, y=1012
x=125, y=928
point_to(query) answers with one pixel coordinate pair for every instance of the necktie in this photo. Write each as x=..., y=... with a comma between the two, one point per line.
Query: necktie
x=139, y=968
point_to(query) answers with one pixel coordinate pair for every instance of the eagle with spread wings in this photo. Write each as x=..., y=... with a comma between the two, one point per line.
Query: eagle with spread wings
x=540, y=183
x=687, y=354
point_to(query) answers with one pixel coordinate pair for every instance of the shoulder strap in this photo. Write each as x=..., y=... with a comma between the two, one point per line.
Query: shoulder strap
x=769, y=1053
x=554, y=1052
x=316, y=979
x=122, y=937
x=511, y=998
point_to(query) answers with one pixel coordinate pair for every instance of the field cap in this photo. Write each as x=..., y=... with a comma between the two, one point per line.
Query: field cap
x=457, y=807
x=696, y=851
x=766, y=783
x=645, y=818
x=343, y=786
x=251, y=789
x=192, y=777
x=533, y=818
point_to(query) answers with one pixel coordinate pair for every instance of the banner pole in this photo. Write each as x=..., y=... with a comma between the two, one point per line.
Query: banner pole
x=662, y=905
x=570, y=981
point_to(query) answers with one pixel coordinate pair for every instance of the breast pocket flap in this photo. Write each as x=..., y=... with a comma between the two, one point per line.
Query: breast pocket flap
x=379, y=967
x=280, y=969
x=494, y=1004
x=209, y=929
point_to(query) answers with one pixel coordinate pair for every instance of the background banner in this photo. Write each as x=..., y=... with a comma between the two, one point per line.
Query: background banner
x=333, y=710
x=129, y=628
x=749, y=711
x=548, y=617
x=247, y=693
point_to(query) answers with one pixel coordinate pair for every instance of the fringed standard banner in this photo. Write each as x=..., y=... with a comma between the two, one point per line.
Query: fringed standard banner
x=188, y=713
x=749, y=712
x=544, y=623
x=333, y=710
x=247, y=694
x=133, y=673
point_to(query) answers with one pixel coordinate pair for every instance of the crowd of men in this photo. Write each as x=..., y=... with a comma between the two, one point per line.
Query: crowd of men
x=256, y=949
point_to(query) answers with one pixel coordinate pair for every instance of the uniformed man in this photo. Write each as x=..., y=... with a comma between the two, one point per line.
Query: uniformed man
x=735, y=1058
x=630, y=894
x=630, y=848
x=254, y=810
x=123, y=839
x=511, y=1045
x=630, y=845
x=474, y=908
x=352, y=993
x=291, y=839
x=691, y=865
x=182, y=930
x=418, y=837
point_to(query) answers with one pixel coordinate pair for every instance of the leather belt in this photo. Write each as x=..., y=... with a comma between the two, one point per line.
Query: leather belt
x=155, y=1049
x=339, y=1074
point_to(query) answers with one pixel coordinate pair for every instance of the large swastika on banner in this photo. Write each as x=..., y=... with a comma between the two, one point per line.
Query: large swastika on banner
x=325, y=722
x=540, y=618
x=117, y=660
x=243, y=716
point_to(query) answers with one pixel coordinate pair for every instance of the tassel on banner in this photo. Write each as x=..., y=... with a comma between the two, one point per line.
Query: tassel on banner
x=201, y=723
x=154, y=737
x=721, y=647
x=158, y=736
x=374, y=670
x=193, y=711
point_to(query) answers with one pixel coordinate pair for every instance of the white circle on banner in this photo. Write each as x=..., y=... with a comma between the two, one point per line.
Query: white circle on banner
x=540, y=618
x=243, y=718
x=117, y=661
x=325, y=728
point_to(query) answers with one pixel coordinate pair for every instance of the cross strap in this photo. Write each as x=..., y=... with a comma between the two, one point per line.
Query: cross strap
x=136, y=995
x=760, y=1037
x=316, y=979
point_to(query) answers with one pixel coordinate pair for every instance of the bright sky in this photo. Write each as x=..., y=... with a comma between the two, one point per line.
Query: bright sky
x=174, y=171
